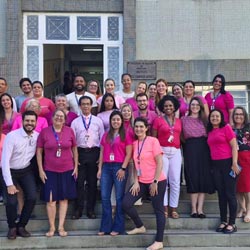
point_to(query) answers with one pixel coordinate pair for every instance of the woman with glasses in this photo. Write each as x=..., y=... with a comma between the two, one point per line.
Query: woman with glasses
x=197, y=161
x=221, y=99
x=242, y=130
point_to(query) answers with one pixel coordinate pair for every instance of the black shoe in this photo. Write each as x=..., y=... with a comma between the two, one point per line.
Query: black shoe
x=77, y=215
x=91, y=215
x=230, y=231
x=12, y=233
x=202, y=216
x=21, y=231
x=194, y=215
x=221, y=227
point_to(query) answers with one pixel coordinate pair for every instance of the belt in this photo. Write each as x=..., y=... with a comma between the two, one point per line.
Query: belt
x=87, y=150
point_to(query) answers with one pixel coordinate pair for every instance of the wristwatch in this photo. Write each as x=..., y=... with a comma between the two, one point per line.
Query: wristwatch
x=156, y=181
x=124, y=169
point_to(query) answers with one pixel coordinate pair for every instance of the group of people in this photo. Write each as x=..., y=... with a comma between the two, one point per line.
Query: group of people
x=133, y=141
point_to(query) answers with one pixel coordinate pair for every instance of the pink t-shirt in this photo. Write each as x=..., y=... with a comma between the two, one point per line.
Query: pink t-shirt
x=165, y=132
x=185, y=106
x=118, y=101
x=223, y=102
x=1, y=147
x=147, y=167
x=47, y=141
x=40, y=124
x=219, y=142
x=116, y=148
x=129, y=130
x=7, y=125
x=46, y=104
x=192, y=127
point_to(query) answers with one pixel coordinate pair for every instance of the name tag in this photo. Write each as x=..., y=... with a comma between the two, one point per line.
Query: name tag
x=111, y=157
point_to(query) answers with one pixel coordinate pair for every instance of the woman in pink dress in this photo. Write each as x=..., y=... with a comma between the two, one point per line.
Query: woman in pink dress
x=221, y=99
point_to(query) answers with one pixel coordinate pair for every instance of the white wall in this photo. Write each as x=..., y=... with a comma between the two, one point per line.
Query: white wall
x=192, y=29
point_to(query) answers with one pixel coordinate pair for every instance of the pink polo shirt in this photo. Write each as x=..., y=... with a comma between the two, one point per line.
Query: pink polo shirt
x=164, y=132
x=147, y=167
x=223, y=102
x=116, y=147
x=219, y=142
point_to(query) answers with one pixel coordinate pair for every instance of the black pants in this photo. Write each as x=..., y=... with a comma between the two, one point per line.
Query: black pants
x=226, y=188
x=157, y=202
x=87, y=172
x=26, y=180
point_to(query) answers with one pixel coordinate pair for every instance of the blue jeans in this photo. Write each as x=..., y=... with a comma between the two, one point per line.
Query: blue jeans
x=108, y=179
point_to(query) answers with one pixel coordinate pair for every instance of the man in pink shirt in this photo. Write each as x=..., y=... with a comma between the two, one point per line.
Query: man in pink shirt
x=143, y=111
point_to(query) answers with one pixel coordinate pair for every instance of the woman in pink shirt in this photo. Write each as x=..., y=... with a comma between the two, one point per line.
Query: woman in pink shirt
x=188, y=94
x=224, y=154
x=148, y=177
x=221, y=99
x=107, y=107
x=116, y=150
x=57, y=160
x=167, y=129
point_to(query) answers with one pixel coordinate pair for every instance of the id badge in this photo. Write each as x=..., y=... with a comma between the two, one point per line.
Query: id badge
x=86, y=139
x=111, y=157
x=58, y=153
x=139, y=172
x=170, y=138
x=212, y=107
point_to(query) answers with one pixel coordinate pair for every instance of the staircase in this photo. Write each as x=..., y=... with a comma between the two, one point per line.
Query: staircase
x=184, y=233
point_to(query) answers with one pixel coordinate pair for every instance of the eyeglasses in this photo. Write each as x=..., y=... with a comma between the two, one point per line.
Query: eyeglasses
x=93, y=86
x=194, y=104
x=239, y=114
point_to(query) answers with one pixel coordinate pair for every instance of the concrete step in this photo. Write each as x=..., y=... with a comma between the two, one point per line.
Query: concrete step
x=210, y=207
x=83, y=224
x=172, y=238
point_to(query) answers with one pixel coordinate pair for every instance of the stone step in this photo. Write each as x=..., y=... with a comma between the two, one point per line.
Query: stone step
x=84, y=224
x=172, y=238
x=210, y=207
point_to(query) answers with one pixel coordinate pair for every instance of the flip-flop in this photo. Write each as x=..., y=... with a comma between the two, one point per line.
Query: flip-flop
x=175, y=215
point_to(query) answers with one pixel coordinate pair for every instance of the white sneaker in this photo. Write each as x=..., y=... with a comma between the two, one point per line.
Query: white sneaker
x=137, y=230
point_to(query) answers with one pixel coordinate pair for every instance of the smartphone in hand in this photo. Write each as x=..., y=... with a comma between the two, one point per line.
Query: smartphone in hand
x=233, y=174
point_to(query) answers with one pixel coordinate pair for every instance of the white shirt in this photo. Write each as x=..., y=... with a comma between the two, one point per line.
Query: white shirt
x=73, y=100
x=18, y=150
x=125, y=95
x=91, y=137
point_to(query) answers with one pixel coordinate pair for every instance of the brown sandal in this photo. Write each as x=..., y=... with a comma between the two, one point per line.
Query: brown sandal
x=175, y=215
x=50, y=233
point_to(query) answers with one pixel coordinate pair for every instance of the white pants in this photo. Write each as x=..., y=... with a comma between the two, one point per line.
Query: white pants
x=172, y=169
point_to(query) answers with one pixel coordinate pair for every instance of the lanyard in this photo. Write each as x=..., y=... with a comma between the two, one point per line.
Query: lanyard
x=169, y=124
x=139, y=149
x=113, y=141
x=56, y=137
x=215, y=97
x=86, y=126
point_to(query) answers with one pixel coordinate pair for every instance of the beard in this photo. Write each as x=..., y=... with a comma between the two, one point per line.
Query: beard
x=79, y=88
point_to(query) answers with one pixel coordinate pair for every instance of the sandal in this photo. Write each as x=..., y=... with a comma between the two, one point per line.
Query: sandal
x=62, y=232
x=175, y=215
x=241, y=213
x=221, y=227
x=50, y=233
x=101, y=233
x=230, y=230
x=166, y=214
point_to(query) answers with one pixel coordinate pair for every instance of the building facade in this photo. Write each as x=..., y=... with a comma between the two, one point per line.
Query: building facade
x=175, y=39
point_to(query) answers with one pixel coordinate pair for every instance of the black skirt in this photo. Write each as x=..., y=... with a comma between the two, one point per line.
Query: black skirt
x=197, y=166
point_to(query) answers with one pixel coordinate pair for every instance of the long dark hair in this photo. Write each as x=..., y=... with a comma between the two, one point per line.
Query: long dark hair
x=11, y=100
x=223, y=83
x=222, y=122
x=110, y=135
x=202, y=115
x=103, y=108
